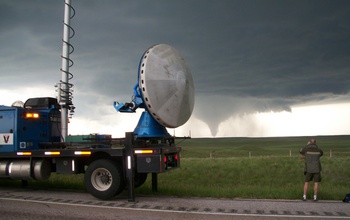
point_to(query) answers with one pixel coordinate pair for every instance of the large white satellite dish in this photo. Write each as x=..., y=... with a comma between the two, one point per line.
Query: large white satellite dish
x=166, y=85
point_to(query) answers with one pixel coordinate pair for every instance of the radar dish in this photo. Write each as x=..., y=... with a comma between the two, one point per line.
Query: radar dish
x=166, y=85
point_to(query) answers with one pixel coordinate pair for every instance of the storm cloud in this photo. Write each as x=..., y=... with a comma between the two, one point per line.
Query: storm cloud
x=245, y=56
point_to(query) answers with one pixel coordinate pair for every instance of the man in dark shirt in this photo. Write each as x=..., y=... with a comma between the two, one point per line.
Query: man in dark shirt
x=312, y=166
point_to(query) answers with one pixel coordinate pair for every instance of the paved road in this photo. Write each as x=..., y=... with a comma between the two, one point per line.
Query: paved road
x=18, y=203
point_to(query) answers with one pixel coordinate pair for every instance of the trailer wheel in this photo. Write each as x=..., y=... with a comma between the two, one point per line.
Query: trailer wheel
x=103, y=179
x=140, y=179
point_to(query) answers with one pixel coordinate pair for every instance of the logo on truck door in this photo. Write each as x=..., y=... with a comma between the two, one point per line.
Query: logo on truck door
x=6, y=139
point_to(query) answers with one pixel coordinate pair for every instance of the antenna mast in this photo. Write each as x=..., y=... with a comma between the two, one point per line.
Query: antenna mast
x=64, y=86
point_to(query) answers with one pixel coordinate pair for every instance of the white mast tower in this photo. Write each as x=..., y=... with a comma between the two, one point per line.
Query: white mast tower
x=64, y=86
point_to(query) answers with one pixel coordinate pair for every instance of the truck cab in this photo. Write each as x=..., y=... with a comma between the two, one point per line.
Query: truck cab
x=24, y=127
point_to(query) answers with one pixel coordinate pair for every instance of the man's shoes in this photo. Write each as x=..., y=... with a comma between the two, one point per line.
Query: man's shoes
x=304, y=198
x=315, y=198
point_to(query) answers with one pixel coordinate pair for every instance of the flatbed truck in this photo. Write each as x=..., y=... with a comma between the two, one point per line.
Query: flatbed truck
x=30, y=148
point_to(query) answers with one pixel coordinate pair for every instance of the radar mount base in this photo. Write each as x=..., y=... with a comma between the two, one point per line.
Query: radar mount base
x=148, y=127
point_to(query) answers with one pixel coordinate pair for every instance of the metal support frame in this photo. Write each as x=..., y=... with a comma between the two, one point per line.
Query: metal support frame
x=130, y=165
x=154, y=182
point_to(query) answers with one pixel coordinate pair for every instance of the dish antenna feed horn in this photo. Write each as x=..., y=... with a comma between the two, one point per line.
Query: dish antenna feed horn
x=164, y=89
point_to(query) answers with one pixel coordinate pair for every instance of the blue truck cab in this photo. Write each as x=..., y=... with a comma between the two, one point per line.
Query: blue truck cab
x=24, y=127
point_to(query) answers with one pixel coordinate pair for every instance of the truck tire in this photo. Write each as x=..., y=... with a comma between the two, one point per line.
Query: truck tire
x=103, y=179
x=140, y=179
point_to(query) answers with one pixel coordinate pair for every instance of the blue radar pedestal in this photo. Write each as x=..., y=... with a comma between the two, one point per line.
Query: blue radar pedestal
x=164, y=89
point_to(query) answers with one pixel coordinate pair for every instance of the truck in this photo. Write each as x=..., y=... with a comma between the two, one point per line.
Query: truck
x=30, y=148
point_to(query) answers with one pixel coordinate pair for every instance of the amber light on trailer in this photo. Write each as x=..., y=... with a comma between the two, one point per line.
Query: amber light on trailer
x=150, y=151
x=52, y=153
x=82, y=152
x=24, y=153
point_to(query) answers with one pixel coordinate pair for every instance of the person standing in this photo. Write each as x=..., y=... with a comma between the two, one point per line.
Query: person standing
x=312, y=171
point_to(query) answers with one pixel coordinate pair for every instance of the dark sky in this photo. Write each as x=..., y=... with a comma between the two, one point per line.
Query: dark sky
x=245, y=56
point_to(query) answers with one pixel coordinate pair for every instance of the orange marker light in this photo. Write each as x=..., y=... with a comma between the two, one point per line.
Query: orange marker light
x=143, y=151
x=82, y=152
x=24, y=153
x=32, y=115
x=52, y=153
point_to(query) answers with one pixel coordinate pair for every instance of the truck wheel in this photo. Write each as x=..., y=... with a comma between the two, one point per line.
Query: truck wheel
x=103, y=179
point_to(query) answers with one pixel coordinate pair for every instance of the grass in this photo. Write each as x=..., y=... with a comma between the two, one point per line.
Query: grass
x=255, y=168
x=279, y=146
x=261, y=177
x=262, y=168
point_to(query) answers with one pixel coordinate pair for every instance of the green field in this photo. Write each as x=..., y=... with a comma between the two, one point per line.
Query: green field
x=255, y=168
x=260, y=168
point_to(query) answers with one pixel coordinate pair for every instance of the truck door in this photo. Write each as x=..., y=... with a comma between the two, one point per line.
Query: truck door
x=7, y=128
